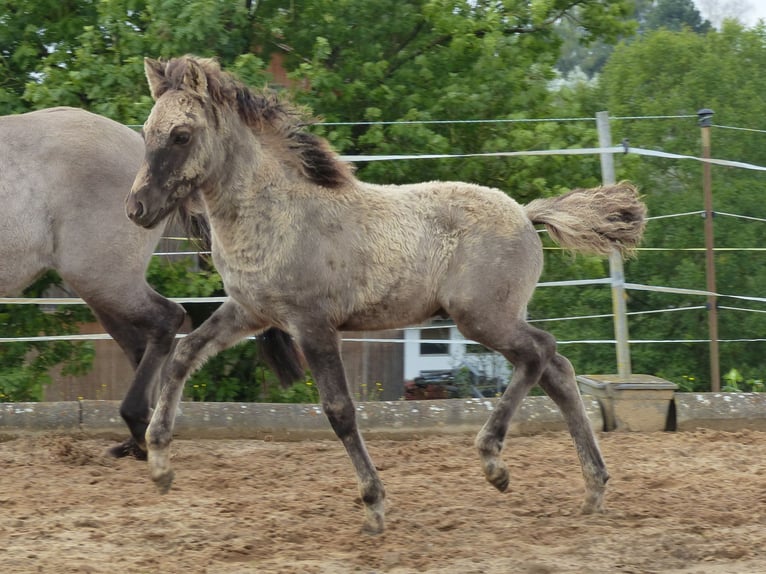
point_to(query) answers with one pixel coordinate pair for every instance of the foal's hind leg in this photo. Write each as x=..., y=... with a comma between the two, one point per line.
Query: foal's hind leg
x=529, y=350
x=558, y=381
x=322, y=353
x=225, y=327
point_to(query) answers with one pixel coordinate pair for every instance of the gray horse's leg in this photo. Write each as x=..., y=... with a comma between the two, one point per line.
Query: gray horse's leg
x=322, y=353
x=529, y=350
x=559, y=382
x=228, y=325
x=146, y=336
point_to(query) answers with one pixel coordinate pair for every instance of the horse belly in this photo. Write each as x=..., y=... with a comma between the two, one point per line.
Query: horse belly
x=26, y=242
x=400, y=309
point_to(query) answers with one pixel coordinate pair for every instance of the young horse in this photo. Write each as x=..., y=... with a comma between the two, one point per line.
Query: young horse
x=304, y=246
x=64, y=173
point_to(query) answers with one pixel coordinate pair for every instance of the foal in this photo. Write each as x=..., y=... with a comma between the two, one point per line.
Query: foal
x=304, y=246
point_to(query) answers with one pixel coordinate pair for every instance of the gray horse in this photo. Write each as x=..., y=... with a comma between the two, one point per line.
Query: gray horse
x=64, y=173
x=303, y=245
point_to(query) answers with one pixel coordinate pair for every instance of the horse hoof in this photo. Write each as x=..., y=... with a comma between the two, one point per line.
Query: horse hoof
x=593, y=505
x=164, y=481
x=498, y=476
x=501, y=483
x=588, y=509
x=374, y=528
x=127, y=448
x=374, y=519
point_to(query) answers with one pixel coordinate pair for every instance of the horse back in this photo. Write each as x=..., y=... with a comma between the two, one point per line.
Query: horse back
x=380, y=256
x=64, y=175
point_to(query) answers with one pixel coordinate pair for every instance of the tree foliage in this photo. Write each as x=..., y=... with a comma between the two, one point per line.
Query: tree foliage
x=429, y=62
x=579, y=51
x=678, y=73
x=438, y=60
x=26, y=365
x=362, y=60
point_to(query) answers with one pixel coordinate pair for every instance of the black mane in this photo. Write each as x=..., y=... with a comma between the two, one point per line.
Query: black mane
x=263, y=111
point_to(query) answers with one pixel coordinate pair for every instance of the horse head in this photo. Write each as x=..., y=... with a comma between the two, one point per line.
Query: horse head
x=198, y=107
x=176, y=163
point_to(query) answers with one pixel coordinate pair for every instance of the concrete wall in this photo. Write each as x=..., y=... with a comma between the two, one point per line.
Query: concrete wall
x=384, y=419
x=402, y=419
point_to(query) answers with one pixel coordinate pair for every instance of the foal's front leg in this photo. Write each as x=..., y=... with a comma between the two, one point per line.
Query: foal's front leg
x=226, y=326
x=322, y=353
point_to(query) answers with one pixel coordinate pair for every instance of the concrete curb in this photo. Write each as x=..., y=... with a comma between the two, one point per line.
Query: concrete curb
x=720, y=411
x=385, y=419
x=394, y=419
x=16, y=418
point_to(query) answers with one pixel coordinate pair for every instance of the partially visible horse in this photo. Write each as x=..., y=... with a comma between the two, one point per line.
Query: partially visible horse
x=304, y=246
x=64, y=173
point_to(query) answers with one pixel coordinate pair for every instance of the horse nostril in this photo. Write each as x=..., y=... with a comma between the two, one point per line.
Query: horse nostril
x=137, y=211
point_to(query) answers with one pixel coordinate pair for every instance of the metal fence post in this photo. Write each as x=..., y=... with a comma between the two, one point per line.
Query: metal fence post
x=705, y=121
x=619, y=306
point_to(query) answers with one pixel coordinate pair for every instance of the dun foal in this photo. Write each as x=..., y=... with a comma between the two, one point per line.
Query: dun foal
x=304, y=246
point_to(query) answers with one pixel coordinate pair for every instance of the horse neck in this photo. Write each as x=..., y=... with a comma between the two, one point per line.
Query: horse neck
x=251, y=176
x=234, y=153
x=260, y=174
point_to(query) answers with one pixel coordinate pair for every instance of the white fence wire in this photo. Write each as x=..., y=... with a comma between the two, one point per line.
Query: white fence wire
x=620, y=149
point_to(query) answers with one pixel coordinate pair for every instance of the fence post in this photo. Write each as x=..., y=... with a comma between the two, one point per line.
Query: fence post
x=619, y=306
x=705, y=120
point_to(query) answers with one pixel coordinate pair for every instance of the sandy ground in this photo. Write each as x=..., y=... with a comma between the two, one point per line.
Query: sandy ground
x=685, y=502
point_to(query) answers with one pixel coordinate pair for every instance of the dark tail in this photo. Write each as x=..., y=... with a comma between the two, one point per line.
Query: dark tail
x=593, y=220
x=281, y=355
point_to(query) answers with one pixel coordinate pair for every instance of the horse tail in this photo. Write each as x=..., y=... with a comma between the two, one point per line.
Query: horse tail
x=277, y=348
x=281, y=355
x=594, y=220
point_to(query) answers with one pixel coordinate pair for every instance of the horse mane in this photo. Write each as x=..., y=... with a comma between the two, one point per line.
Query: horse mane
x=264, y=111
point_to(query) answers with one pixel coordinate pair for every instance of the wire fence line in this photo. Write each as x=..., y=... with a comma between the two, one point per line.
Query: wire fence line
x=620, y=149
x=565, y=283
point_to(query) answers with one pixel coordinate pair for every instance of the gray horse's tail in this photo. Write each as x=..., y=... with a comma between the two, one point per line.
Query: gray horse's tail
x=281, y=355
x=593, y=220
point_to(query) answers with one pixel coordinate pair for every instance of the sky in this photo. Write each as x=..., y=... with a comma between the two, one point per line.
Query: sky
x=756, y=9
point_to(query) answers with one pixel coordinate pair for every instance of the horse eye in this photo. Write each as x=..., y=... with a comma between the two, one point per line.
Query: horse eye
x=181, y=138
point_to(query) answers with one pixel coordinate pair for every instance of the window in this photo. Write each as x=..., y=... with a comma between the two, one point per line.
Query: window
x=442, y=334
x=475, y=348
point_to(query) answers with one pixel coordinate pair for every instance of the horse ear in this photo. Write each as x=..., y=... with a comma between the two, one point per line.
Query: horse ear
x=195, y=77
x=155, y=75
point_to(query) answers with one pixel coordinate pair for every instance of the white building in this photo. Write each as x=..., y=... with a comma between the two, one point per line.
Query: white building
x=439, y=346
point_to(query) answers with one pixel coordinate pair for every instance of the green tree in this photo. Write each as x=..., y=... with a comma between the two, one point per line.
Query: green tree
x=28, y=33
x=675, y=15
x=421, y=61
x=677, y=73
x=417, y=60
x=25, y=366
x=101, y=67
x=580, y=51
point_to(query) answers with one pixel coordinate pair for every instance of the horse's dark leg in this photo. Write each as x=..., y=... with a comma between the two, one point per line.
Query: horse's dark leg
x=559, y=382
x=146, y=333
x=133, y=343
x=225, y=327
x=322, y=353
x=528, y=349
x=160, y=328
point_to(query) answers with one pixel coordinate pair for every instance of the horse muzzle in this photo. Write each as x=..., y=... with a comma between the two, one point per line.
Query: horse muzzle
x=140, y=211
